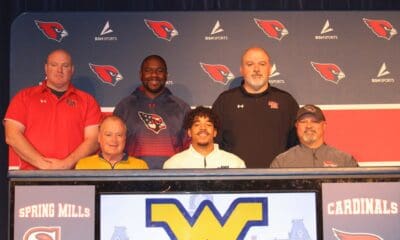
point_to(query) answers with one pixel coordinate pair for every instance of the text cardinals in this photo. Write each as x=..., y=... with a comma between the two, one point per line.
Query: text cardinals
x=364, y=206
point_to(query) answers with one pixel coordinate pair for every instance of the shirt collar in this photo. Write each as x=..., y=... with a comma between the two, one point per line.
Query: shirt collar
x=314, y=149
x=124, y=157
x=194, y=152
x=254, y=94
x=45, y=88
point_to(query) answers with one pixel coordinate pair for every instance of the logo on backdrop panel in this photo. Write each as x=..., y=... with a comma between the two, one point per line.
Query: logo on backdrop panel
x=272, y=28
x=324, y=33
x=381, y=76
x=329, y=71
x=52, y=30
x=43, y=233
x=106, y=73
x=215, y=33
x=381, y=28
x=218, y=73
x=106, y=31
x=342, y=235
x=162, y=29
x=274, y=73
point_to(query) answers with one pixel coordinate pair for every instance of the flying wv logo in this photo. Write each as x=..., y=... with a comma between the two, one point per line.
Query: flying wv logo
x=207, y=222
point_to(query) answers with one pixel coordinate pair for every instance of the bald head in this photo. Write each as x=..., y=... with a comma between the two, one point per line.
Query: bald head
x=112, y=120
x=255, y=49
x=59, y=70
x=57, y=52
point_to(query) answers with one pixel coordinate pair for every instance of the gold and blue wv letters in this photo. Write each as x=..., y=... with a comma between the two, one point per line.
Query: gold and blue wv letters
x=207, y=222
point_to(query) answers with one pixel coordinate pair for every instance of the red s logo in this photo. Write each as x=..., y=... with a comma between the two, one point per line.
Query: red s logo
x=106, y=73
x=162, y=29
x=43, y=233
x=329, y=71
x=217, y=72
x=340, y=235
x=381, y=28
x=52, y=30
x=272, y=28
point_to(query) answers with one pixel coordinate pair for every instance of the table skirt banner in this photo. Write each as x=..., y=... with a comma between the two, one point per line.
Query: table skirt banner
x=54, y=212
x=249, y=216
x=361, y=210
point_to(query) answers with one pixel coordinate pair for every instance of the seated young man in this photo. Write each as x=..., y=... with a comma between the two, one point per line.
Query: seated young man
x=202, y=125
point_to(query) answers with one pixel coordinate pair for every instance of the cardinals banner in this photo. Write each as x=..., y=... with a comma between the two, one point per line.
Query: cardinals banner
x=245, y=216
x=54, y=212
x=345, y=62
x=368, y=211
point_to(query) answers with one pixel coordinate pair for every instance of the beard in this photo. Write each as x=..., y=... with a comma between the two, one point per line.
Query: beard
x=257, y=81
x=205, y=142
x=309, y=137
x=148, y=85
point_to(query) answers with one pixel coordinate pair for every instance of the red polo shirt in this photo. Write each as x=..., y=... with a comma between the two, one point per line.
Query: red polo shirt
x=54, y=126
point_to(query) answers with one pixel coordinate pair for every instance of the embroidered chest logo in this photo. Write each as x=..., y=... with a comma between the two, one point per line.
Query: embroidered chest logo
x=152, y=121
x=71, y=102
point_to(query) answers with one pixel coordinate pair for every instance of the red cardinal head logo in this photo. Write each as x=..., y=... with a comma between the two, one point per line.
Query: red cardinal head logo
x=218, y=72
x=272, y=28
x=329, y=71
x=106, y=73
x=341, y=235
x=52, y=30
x=381, y=28
x=162, y=29
x=152, y=121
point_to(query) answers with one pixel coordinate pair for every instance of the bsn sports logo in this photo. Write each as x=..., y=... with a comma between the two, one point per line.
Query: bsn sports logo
x=218, y=72
x=43, y=233
x=341, y=235
x=326, y=28
x=106, y=73
x=383, y=71
x=381, y=76
x=381, y=28
x=329, y=71
x=272, y=28
x=207, y=222
x=324, y=32
x=152, y=121
x=52, y=30
x=162, y=29
x=274, y=71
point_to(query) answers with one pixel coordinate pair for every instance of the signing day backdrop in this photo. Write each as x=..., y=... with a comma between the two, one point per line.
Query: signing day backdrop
x=345, y=62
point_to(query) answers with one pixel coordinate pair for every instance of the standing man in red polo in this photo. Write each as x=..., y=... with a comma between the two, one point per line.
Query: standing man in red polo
x=52, y=125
